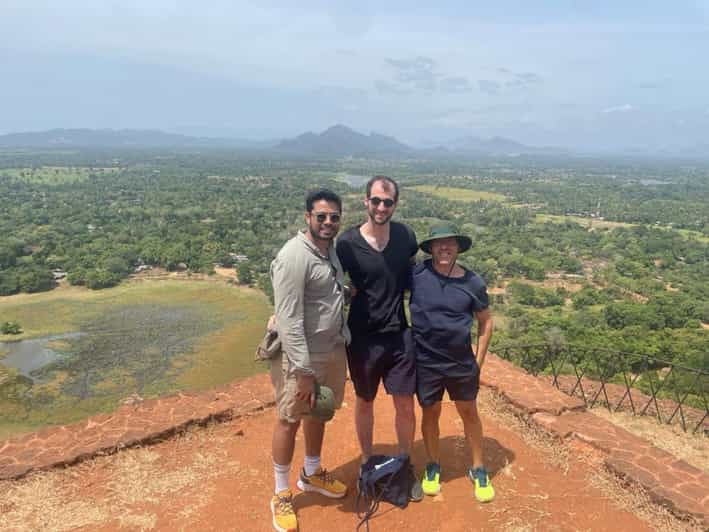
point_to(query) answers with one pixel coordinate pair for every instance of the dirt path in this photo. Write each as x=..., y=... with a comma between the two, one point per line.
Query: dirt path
x=220, y=478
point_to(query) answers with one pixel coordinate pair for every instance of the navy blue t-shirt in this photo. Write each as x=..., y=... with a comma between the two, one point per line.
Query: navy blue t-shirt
x=442, y=311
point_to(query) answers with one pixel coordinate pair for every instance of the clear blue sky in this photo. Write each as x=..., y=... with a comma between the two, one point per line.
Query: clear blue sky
x=588, y=74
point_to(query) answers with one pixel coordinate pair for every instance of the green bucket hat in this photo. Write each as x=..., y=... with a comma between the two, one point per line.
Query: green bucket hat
x=445, y=231
x=324, y=408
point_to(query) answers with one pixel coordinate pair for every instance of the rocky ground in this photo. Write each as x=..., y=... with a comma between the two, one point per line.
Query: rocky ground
x=219, y=477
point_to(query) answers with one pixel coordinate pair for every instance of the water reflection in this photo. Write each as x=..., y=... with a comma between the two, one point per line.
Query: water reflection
x=27, y=356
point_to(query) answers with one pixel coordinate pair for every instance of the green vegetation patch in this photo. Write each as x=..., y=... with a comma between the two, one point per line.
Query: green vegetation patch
x=587, y=222
x=689, y=234
x=149, y=339
x=460, y=194
x=54, y=175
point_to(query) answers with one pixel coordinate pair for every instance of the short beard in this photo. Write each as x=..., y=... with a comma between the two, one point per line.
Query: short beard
x=317, y=237
x=372, y=217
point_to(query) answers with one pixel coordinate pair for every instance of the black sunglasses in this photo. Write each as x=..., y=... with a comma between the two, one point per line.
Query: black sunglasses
x=374, y=200
x=322, y=216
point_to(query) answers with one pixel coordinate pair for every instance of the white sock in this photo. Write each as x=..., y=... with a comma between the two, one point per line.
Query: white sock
x=281, y=474
x=311, y=464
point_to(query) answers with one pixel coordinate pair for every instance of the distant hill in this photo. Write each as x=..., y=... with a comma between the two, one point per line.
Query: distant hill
x=336, y=141
x=108, y=138
x=498, y=146
x=341, y=141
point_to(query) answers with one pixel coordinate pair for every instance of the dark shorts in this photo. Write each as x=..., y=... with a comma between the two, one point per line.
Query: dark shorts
x=384, y=357
x=430, y=385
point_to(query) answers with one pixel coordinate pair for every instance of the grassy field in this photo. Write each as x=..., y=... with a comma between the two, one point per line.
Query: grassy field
x=607, y=224
x=693, y=234
x=587, y=222
x=148, y=338
x=54, y=175
x=460, y=194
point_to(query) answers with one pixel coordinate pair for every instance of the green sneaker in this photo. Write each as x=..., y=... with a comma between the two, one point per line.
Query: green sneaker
x=431, y=481
x=484, y=492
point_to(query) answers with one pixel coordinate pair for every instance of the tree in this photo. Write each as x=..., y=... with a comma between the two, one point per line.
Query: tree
x=101, y=278
x=246, y=274
x=9, y=283
x=10, y=327
x=35, y=280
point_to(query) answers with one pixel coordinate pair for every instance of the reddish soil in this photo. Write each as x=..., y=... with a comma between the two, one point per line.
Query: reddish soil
x=534, y=490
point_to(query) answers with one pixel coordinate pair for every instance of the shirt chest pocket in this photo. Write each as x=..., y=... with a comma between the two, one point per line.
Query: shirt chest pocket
x=321, y=283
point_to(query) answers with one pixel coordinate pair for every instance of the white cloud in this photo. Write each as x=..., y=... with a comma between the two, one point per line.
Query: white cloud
x=619, y=109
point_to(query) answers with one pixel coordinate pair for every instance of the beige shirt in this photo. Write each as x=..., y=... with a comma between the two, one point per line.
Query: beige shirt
x=309, y=298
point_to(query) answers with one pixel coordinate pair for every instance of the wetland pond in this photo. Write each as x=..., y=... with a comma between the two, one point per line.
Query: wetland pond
x=26, y=356
x=146, y=341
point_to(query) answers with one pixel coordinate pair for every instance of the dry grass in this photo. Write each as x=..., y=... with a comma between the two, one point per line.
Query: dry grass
x=591, y=223
x=47, y=502
x=623, y=495
x=460, y=194
x=124, y=490
x=691, y=448
x=495, y=406
x=633, y=497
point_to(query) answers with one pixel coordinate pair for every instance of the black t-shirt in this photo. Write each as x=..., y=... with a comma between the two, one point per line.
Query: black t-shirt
x=380, y=278
x=442, y=310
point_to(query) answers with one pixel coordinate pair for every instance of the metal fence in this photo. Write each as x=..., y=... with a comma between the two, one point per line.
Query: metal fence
x=641, y=384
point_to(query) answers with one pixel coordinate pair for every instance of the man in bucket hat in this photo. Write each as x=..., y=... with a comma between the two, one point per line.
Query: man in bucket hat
x=445, y=297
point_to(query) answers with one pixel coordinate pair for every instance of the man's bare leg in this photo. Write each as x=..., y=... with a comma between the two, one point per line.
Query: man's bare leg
x=473, y=427
x=405, y=422
x=283, y=443
x=364, y=425
x=431, y=431
x=282, y=447
x=314, y=432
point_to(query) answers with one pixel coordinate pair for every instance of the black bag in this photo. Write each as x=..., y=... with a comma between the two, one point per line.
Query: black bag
x=384, y=478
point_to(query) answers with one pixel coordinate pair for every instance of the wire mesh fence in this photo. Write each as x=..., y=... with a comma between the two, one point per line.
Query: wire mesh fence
x=638, y=383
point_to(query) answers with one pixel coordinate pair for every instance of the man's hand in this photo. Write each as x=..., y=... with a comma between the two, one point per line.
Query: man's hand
x=350, y=291
x=305, y=388
x=485, y=326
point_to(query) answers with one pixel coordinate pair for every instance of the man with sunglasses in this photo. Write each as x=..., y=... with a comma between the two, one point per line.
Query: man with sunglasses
x=378, y=256
x=309, y=301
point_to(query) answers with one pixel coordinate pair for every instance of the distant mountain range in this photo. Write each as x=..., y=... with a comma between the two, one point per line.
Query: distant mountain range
x=105, y=138
x=342, y=141
x=498, y=146
x=336, y=141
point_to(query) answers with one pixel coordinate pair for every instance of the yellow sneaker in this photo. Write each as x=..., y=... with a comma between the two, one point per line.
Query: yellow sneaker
x=484, y=492
x=431, y=481
x=284, y=519
x=322, y=482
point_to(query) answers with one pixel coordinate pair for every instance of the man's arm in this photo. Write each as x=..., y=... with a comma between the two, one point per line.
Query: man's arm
x=485, y=326
x=344, y=257
x=288, y=296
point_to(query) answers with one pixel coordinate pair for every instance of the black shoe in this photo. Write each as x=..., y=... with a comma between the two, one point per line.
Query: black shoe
x=416, y=492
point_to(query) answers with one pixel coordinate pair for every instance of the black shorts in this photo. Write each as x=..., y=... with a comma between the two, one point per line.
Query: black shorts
x=430, y=385
x=386, y=357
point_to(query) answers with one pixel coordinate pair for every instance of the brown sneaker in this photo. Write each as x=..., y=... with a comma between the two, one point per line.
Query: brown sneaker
x=322, y=482
x=284, y=519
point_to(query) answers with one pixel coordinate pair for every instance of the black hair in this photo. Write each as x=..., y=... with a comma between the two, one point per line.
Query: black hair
x=322, y=194
x=388, y=181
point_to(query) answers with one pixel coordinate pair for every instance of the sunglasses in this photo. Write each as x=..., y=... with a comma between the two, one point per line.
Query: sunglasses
x=322, y=216
x=388, y=203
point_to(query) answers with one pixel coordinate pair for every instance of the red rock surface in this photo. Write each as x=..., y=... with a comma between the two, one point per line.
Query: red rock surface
x=138, y=423
x=670, y=481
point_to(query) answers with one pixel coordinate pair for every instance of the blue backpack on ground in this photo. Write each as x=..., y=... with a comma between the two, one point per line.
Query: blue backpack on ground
x=384, y=478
